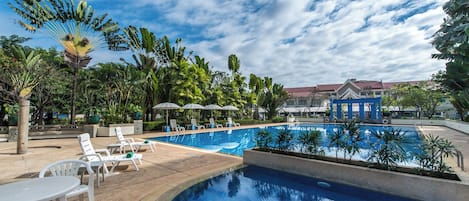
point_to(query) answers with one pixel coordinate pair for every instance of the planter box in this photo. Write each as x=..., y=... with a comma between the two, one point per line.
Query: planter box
x=127, y=129
x=406, y=185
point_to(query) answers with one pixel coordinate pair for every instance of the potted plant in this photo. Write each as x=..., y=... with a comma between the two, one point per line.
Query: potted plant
x=136, y=111
x=93, y=116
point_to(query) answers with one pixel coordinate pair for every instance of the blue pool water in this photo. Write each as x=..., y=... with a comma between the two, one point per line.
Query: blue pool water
x=255, y=183
x=235, y=141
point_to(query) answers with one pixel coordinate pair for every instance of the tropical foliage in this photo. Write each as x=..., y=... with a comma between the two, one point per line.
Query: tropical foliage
x=452, y=43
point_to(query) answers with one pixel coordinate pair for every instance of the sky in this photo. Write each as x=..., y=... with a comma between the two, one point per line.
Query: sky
x=298, y=43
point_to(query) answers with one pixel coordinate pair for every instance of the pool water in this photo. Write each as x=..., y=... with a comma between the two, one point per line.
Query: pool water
x=235, y=141
x=254, y=183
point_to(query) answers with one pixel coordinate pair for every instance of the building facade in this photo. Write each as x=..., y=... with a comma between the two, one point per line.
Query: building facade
x=315, y=101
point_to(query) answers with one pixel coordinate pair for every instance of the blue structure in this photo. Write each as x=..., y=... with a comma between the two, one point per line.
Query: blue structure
x=374, y=103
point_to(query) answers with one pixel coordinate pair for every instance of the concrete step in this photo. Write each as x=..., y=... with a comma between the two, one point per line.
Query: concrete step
x=3, y=139
x=3, y=135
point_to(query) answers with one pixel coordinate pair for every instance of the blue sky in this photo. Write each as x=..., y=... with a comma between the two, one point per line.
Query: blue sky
x=298, y=43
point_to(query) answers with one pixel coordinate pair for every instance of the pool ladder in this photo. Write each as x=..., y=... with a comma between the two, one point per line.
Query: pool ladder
x=460, y=159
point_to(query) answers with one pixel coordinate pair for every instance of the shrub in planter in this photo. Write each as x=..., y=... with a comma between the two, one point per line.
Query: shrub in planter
x=263, y=138
x=310, y=142
x=284, y=139
x=434, y=150
x=387, y=150
x=152, y=125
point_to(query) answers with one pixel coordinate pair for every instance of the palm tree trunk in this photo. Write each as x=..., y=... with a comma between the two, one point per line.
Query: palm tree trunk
x=74, y=94
x=23, y=126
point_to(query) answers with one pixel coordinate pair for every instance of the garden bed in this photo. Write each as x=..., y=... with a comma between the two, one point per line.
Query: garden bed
x=391, y=182
x=407, y=170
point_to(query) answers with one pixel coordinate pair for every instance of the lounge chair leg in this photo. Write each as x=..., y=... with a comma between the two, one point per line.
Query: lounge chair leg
x=135, y=165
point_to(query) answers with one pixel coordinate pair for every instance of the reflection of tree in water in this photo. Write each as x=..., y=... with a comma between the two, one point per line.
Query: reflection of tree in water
x=234, y=184
x=197, y=190
x=266, y=190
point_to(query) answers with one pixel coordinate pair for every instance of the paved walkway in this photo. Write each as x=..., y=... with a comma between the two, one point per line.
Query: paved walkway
x=163, y=174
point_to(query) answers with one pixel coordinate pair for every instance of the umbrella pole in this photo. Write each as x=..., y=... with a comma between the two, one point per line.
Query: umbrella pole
x=166, y=117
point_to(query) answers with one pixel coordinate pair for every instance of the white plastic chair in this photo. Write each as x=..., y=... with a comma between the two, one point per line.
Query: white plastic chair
x=96, y=159
x=230, y=122
x=174, y=126
x=134, y=145
x=212, y=122
x=71, y=168
x=194, y=123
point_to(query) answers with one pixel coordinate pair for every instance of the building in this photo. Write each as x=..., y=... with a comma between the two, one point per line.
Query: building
x=314, y=101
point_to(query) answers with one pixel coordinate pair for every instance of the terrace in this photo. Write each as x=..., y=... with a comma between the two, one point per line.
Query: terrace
x=164, y=173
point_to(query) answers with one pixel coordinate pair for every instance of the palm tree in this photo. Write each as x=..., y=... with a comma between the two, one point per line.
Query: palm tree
x=21, y=79
x=77, y=29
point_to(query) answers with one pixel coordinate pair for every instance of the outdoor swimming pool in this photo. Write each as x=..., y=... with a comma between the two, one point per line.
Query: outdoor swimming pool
x=235, y=141
x=256, y=183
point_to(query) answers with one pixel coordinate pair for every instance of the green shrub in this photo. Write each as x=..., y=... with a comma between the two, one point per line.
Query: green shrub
x=263, y=138
x=310, y=141
x=153, y=125
x=278, y=119
x=466, y=119
x=435, y=149
x=284, y=139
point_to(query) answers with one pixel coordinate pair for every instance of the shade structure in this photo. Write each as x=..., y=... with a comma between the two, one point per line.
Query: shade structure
x=212, y=107
x=230, y=108
x=166, y=106
x=193, y=106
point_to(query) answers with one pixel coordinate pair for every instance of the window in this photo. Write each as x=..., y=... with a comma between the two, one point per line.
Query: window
x=302, y=102
x=290, y=102
x=377, y=92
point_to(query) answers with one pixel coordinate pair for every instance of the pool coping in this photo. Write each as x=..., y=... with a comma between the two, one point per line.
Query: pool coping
x=181, y=185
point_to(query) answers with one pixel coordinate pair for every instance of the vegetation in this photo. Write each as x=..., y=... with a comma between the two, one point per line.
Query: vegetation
x=434, y=150
x=386, y=148
x=311, y=141
x=263, y=138
x=452, y=43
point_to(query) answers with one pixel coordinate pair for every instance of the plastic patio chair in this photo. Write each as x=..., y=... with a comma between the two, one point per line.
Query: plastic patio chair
x=96, y=159
x=174, y=126
x=196, y=125
x=134, y=145
x=215, y=125
x=230, y=122
x=72, y=168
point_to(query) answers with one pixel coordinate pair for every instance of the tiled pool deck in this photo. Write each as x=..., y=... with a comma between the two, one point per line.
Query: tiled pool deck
x=170, y=167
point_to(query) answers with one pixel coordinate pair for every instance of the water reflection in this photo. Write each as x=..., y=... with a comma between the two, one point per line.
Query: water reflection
x=254, y=183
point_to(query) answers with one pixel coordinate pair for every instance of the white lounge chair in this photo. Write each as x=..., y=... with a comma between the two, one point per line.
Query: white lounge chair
x=71, y=168
x=130, y=142
x=174, y=126
x=96, y=159
x=214, y=125
x=230, y=122
x=196, y=125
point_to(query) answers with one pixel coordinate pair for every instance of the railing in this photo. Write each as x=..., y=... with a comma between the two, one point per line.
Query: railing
x=460, y=159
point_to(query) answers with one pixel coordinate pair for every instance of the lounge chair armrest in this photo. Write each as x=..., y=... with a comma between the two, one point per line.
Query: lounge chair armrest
x=85, y=157
x=129, y=140
x=103, y=151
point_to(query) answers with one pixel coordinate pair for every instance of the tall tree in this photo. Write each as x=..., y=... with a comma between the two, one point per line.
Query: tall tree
x=21, y=78
x=272, y=97
x=76, y=28
x=452, y=42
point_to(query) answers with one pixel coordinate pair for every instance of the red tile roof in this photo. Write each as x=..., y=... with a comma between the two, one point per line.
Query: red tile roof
x=363, y=84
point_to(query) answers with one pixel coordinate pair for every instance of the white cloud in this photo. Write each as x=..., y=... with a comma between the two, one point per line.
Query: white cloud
x=301, y=42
